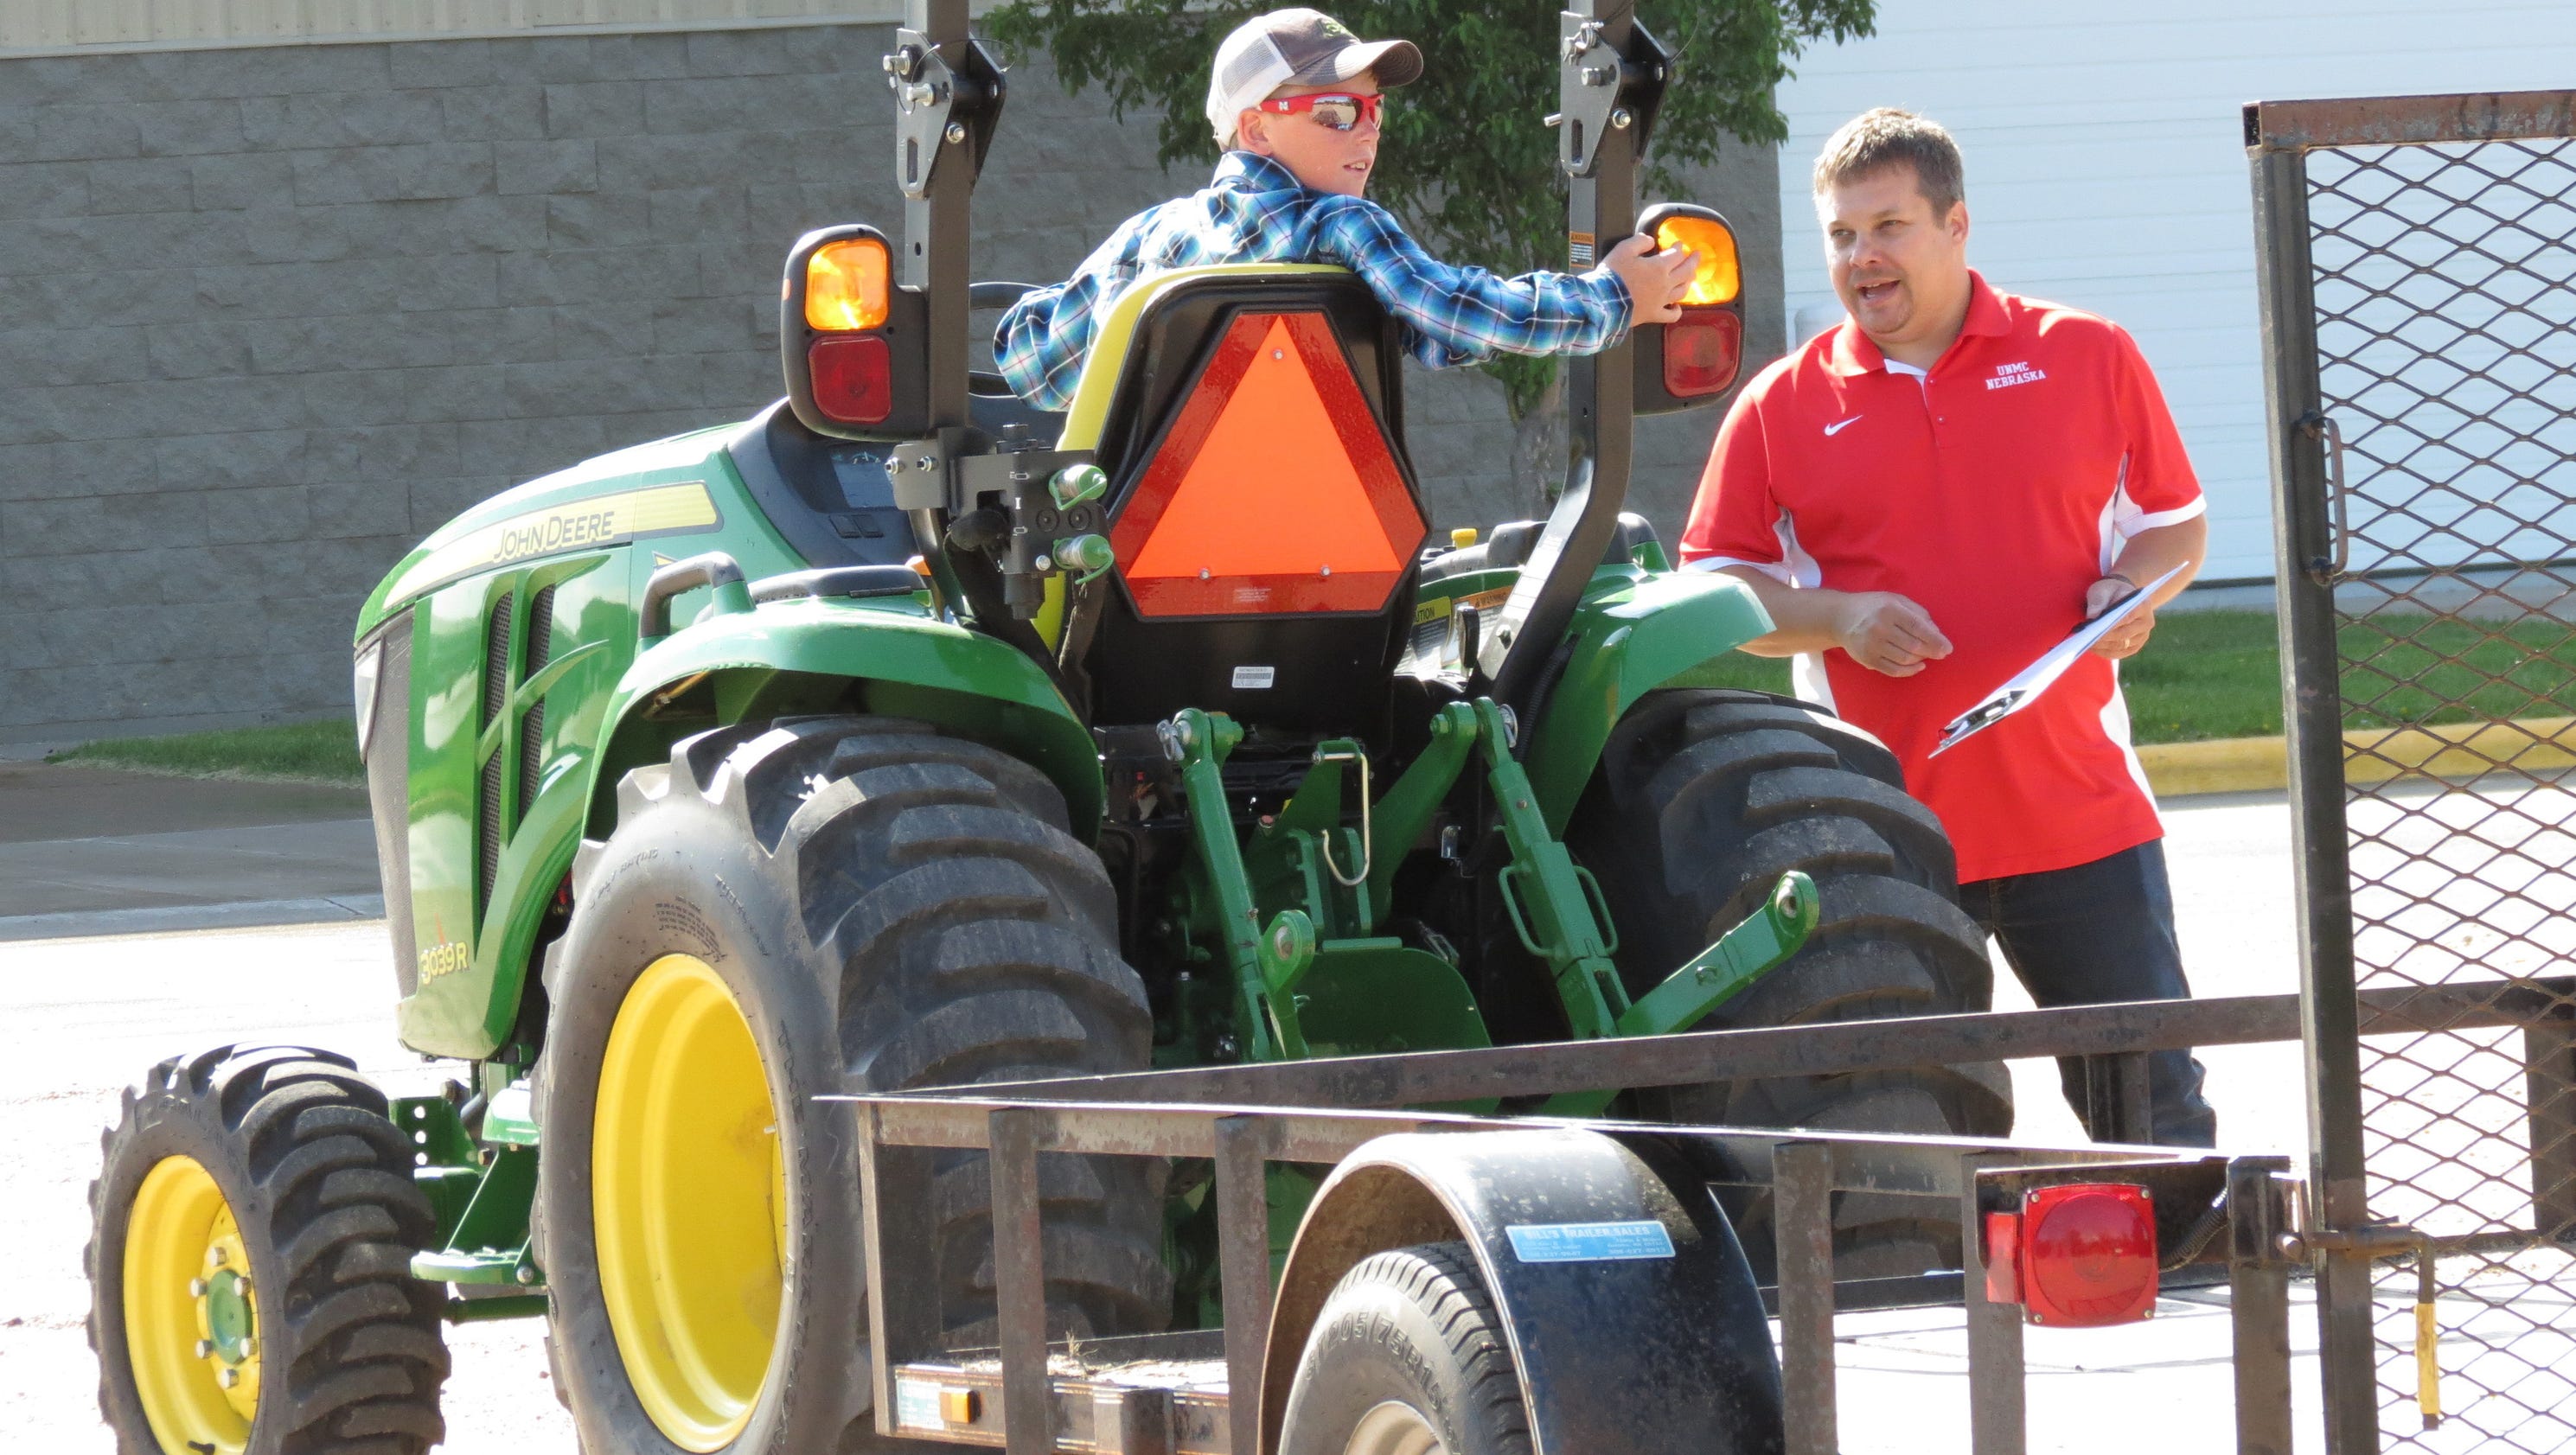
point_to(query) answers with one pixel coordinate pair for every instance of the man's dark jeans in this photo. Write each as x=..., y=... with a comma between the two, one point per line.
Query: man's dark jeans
x=2099, y=932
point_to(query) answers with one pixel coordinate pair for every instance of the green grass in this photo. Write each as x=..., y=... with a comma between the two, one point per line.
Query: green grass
x=309, y=752
x=2217, y=674
x=2205, y=674
x=2419, y=669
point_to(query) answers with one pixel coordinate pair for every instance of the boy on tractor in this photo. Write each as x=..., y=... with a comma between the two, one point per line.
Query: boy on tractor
x=1294, y=99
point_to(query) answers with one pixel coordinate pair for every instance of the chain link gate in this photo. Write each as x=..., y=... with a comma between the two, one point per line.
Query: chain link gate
x=2417, y=262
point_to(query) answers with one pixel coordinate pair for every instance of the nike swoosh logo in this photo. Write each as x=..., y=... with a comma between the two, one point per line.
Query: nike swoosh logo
x=1838, y=426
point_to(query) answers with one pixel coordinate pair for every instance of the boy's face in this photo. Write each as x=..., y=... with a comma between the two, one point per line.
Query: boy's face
x=1320, y=157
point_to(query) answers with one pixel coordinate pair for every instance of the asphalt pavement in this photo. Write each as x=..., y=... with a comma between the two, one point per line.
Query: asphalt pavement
x=99, y=871
x=89, y=851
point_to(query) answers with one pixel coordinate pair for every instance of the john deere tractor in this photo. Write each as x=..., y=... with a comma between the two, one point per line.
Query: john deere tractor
x=904, y=736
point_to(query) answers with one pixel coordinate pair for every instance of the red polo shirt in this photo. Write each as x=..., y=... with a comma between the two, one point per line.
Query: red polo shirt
x=1992, y=491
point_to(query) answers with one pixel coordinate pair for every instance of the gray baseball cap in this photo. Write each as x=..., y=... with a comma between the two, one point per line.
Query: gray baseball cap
x=1298, y=47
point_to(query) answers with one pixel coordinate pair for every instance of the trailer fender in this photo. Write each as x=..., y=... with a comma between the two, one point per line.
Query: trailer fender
x=1633, y=1318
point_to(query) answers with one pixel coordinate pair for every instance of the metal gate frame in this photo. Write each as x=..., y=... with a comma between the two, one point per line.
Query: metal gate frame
x=2490, y=142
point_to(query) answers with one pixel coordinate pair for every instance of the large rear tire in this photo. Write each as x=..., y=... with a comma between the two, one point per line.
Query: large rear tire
x=1703, y=800
x=250, y=1264
x=1407, y=1357
x=784, y=911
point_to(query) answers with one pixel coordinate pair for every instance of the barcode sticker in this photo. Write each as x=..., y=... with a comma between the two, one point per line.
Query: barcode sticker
x=1254, y=678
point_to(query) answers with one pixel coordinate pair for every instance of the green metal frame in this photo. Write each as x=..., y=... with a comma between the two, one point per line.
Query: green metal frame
x=481, y=1194
x=1289, y=925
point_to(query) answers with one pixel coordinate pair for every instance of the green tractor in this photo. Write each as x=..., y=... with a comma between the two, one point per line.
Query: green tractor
x=902, y=737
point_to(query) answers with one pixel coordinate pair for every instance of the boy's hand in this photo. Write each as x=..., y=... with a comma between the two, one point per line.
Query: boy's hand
x=1656, y=281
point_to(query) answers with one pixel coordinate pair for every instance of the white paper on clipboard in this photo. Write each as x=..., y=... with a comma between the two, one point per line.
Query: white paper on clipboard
x=2028, y=683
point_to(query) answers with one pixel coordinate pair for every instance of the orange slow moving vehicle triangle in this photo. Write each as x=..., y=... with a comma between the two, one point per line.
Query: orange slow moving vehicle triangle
x=1274, y=489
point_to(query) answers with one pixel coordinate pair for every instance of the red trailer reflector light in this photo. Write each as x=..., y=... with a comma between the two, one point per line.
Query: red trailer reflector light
x=853, y=378
x=2003, y=1257
x=1702, y=351
x=2079, y=1255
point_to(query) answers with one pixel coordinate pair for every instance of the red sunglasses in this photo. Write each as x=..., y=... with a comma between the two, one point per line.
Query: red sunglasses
x=1339, y=110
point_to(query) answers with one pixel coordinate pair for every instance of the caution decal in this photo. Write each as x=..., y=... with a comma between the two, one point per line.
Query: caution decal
x=1439, y=608
x=578, y=525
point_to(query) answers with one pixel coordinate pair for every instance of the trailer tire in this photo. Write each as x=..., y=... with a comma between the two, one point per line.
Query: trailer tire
x=789, y=910
x=271, y=1168
x=1407, y=1350
x=1704, y=798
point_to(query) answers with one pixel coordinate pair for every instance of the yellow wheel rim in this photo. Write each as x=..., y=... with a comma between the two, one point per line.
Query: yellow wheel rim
x=688, y=1196
x=191, y=1336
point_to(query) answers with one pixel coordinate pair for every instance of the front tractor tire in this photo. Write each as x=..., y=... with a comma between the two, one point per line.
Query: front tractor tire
x=253, y=1226
x=1703, y=800
x=786, y=911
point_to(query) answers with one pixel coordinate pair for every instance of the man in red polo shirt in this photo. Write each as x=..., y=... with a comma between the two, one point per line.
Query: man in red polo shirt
x=1927, y=498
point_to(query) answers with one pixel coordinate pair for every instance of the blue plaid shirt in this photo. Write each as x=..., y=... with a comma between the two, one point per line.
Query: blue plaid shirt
x=1256, y=212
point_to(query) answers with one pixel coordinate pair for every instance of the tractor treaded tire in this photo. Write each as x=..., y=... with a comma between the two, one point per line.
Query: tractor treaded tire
x=318, y=1178
x=1703, y=800
x=1414, y=1326
x=892, y=908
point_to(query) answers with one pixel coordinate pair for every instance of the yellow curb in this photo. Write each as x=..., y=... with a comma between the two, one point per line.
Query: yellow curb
x=2371, y=755
x=2216, y=765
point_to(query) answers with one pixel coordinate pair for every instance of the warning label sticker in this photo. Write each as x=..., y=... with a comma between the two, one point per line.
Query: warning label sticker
x=1438, y=608
x=916, y=1404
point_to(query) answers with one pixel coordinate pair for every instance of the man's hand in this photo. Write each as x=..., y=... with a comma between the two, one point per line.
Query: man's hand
x=2125, y=639
x=1656, y=281
x=1887, y=633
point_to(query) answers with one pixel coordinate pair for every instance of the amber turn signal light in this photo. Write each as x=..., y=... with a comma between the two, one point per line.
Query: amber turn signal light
x=845, y=285
x=1718, y=276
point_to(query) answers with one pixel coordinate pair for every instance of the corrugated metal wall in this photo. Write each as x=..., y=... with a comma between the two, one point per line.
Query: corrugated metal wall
x=45, y=25
x=2106, y=168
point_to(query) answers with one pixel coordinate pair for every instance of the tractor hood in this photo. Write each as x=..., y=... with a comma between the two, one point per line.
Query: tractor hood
x=631, y=494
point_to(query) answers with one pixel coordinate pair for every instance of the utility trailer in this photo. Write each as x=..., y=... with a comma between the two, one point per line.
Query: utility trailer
x=1631, y=1319
x=1618, y=1292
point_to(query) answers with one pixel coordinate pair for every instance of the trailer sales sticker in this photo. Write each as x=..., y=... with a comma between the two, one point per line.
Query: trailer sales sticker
x=1589, y=1242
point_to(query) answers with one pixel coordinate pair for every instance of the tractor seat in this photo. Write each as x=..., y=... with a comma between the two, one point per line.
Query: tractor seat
x=1262, y=510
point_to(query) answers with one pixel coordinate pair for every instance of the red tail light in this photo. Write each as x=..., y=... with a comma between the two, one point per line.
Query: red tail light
x=1702, y=351
x=853, y=378
x=2076, y=1256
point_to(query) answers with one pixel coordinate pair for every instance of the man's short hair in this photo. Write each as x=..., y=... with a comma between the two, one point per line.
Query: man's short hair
x=1885, y=137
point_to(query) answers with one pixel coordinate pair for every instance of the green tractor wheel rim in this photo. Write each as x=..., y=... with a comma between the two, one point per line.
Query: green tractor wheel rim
x=688, y=1196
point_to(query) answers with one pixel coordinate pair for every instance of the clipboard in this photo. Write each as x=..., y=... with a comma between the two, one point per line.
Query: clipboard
x=2027, y=684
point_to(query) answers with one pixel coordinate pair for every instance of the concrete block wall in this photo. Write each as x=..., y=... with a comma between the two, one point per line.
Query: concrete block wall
x=270, y=315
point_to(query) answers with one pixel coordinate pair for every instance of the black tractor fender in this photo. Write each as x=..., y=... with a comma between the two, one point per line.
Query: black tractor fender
x=1633, y=1317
